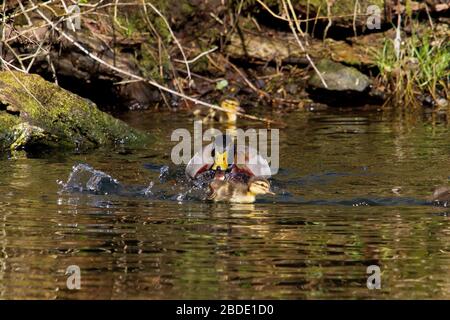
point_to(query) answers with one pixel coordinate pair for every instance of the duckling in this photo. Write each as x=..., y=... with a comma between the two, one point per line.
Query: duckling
x=230, y=105
x=238, y=191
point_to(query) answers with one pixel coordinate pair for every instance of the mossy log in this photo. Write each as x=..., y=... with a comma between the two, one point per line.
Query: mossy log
x=35, y=113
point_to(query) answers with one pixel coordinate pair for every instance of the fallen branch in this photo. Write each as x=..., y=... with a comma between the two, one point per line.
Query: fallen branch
x=136, y=77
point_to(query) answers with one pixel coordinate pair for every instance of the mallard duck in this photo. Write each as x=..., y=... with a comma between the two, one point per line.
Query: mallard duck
x=236, y=190
x=230, y=105
x=222, y=154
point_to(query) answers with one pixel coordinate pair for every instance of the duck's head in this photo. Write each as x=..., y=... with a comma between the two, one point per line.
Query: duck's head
x=259, y=186
x=231, y=106
x=223, y=152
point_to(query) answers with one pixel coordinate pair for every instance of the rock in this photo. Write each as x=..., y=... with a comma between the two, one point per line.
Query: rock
x=36, y=114
x=338, y=77
x=442, y=103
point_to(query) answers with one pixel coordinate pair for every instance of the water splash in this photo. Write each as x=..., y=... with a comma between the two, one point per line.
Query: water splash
x=148, y=191
x=172, y=185
x=84, y=178
x=164, y=173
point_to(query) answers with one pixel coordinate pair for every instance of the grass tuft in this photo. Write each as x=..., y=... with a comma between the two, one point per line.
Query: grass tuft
x=421, y=69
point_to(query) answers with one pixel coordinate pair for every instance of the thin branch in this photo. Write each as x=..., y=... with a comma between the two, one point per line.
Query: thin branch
x=294, y=16
x=173, y=36
x=197, y=57
x=8, y=64
x=247, y=81
x=302, y=47
x=15, y=56
x=330, y=21
x=149, y=81
x=307, y=19
x=271, y=12
x=162, y=46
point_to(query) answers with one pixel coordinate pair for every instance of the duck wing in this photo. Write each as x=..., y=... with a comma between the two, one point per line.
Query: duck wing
x=200, y=162
x=254, y=164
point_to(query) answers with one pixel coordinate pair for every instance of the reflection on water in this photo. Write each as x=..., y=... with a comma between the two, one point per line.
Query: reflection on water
x=136, y=231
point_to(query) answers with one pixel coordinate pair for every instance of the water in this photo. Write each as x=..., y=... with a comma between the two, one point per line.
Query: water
x=352, y=192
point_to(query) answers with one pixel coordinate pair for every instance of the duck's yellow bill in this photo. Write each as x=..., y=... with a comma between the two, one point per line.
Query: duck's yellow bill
x=220, y=161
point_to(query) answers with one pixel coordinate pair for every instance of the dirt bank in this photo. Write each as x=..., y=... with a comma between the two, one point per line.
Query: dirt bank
x=259, y=51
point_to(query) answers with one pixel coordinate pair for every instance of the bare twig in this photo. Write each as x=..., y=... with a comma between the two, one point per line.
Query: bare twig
x=330, y=21
x=173, y=36
x=294, y=16
x=197, y=57
x=136, y=77
x=355, y=10
x=7, y=64
x=317, y=17
x=161, y=48
x=15, y=56
x=116, y=2
x=291, y=25
x=248, y=82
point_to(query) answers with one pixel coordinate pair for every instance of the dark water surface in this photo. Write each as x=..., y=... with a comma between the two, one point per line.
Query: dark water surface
x=334, y=215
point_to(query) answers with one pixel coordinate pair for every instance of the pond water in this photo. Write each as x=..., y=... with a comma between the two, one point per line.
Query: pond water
x=351, y=192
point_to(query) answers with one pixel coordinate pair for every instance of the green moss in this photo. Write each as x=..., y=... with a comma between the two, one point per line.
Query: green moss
x=25, y=135
x=135, y=22
x=132, y=22
x=149, y=63
x=162, y=29
x=187, y=9
x=200, y=66
x=7, y=122
x=47, y=113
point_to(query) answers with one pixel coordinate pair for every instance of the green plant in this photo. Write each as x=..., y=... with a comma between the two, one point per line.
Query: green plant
x=420, y=67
